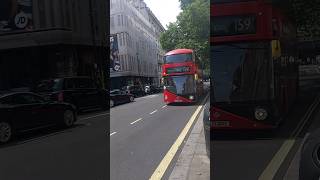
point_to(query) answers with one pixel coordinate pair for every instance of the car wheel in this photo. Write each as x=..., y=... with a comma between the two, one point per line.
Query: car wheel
x=111, y=103
x=310, y=157
x=131, y=98
x=5, y=132
x=68, y=118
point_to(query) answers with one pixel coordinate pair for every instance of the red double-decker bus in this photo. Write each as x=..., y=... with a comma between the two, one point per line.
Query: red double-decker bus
x=181, y=77
x=254, y=71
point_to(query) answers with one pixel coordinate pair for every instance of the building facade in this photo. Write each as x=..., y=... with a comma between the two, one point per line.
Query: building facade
x=42, y=39
x=137, y=32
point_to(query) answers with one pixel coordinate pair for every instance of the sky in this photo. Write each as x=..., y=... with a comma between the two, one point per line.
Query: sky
x=165, y=10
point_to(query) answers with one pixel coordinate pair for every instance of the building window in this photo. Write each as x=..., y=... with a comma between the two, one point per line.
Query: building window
x=120, y=40
x=42, y=14
x=53, y=24
x=118, y=20
x=121, y=20
x=112, y=21
x=67, y=4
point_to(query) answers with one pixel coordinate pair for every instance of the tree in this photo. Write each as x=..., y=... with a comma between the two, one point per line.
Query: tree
x=191, y=30
x=185, y=3
x=305, y=14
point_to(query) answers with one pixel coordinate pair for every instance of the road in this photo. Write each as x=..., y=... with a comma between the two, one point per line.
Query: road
x=76, y=153
x=265, y=155
x=141, y=133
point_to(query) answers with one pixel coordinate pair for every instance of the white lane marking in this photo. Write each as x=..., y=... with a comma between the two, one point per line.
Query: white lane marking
x=164, y=106
x=113, y=133
x=153, y=111
x=94, y=116
x=136, y=121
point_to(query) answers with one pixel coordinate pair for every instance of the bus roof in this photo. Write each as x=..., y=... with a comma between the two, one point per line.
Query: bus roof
x=179, y=51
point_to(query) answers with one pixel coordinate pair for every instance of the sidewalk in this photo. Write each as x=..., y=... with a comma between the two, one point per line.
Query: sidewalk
x=193, y=162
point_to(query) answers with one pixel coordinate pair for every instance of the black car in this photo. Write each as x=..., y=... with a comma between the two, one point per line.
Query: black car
x=22, y=111
x=82, y=92
x=135, y=90
x=120, y=97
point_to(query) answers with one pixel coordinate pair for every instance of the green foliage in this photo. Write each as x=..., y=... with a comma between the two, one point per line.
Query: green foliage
x=185, y=3
x=191, y=30
x=305, y=13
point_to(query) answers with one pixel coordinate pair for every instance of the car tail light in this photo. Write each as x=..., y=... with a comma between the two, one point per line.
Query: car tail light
x=60, y=96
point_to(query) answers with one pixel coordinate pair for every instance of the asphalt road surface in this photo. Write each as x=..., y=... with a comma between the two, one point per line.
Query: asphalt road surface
x=265, y=155
x=54, y=153
x=141, y=133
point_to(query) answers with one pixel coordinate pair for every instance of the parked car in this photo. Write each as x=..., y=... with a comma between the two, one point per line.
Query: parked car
x=135, y=90
x=82, y=92
x=21, y=111
x=120, y=97
x=152, y=89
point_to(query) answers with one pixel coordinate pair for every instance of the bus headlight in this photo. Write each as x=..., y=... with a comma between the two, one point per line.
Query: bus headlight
x=191, y=97
x=260, y=114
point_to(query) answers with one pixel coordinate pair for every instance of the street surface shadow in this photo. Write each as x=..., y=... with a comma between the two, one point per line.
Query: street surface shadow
x=38, y=135
x=94, y=111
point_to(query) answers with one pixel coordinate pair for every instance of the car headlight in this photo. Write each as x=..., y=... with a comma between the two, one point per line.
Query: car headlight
x=260, y=114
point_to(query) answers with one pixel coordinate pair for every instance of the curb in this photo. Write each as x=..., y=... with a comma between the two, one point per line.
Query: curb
x=187, y=166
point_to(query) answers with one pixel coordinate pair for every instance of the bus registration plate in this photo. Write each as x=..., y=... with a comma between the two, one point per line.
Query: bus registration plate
x=221, y=123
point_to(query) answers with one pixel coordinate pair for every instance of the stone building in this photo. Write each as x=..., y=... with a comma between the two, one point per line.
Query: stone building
x=42, y=39
x=137, y=32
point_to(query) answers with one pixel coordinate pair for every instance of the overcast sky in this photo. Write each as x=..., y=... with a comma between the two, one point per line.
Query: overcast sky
x=165, y=10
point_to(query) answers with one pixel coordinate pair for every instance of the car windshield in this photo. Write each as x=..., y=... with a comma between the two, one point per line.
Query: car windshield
x=49, y=85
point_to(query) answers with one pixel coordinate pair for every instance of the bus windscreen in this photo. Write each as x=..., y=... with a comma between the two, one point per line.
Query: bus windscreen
x=177, y=58
x=241, y=72
x=181, y=85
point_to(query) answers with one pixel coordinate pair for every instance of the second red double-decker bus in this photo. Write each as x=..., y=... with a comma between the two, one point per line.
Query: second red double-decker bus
x=181, y=77
x=253, y=65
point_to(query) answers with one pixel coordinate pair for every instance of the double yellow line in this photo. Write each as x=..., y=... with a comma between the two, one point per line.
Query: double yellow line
x=162, y=167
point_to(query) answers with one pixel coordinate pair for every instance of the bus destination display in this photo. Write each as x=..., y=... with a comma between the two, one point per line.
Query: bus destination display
x=233, y=25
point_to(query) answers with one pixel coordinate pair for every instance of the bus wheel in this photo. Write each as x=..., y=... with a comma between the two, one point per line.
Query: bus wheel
x=310, y=157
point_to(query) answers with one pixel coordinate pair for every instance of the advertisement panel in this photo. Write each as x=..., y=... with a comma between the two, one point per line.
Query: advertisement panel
x=15, y=15
x=114, y=54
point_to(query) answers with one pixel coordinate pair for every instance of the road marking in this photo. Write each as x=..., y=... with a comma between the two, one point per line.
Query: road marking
x=136, y=121
x=95, y=116
x=164, y=106
x=153, y=111
x=162, y=167
x=277, y=160
x=113, y=133
x=285, y=148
